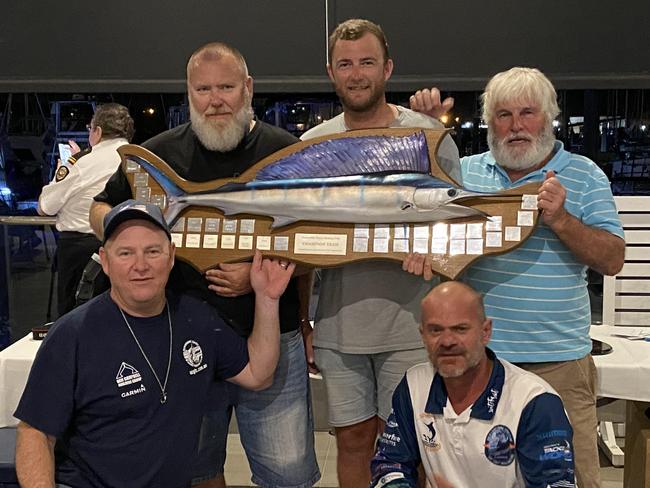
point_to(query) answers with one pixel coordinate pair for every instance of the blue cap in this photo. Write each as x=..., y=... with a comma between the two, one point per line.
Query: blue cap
x=132, y=209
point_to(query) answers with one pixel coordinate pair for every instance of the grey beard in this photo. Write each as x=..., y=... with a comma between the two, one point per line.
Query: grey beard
x=221, y=137
x=506, y=158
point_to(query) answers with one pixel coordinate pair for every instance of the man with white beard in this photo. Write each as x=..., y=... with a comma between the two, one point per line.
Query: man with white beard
x=537, y=294
x=222, y=140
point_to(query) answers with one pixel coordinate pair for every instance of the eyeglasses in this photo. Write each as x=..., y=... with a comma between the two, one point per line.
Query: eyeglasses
x=89, y=127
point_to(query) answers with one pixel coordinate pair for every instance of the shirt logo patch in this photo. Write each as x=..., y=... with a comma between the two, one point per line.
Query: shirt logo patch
x=428, y=435
x=492, y=399
x=127, y=375
x=557, y=450
x=193, y=355
x=61, y=173
x=500, y=446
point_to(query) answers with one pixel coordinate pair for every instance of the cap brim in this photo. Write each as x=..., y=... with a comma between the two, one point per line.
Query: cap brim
x=131, y=214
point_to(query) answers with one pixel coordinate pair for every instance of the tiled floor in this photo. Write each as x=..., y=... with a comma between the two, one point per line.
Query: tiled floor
x=238, y=474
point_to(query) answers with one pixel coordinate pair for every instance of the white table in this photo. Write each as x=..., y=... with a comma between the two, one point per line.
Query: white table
x=15, y=363
x=625, y=372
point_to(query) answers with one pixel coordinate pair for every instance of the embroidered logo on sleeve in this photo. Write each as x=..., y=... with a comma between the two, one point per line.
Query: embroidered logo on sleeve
x=61, y=173
x=557, y=450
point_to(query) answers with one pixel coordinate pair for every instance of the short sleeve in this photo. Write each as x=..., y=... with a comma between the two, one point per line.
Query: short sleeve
x=47, y=403
x=231, y=350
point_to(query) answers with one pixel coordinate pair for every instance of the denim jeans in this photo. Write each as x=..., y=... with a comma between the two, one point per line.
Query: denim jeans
x=275, y=426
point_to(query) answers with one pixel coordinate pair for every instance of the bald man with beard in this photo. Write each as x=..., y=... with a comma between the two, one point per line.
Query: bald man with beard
x=222, y=140
x=471, y=418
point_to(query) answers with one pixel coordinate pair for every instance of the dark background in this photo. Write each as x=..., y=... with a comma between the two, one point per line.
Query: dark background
x=142, y=45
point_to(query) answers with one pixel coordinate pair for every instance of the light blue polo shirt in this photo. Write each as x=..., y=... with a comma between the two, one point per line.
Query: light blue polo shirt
x=537, y=294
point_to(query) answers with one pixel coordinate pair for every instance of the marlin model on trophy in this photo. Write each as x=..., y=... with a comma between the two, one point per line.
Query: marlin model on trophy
x=372, y=194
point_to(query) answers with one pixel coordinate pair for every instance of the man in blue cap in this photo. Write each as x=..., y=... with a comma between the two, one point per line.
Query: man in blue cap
x=119, y=384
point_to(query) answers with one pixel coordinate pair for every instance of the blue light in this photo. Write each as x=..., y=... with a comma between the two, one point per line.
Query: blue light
x=5, y=192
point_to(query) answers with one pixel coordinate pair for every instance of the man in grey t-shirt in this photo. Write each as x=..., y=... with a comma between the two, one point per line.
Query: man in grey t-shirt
x=366, y=334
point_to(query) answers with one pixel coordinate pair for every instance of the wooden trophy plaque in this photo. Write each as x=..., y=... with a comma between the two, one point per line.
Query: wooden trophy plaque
x=280, y=205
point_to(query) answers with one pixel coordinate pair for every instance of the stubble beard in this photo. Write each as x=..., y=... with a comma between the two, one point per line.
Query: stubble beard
x=517, y=159
x=472, y=360
x=352, y=105
x=222, y=135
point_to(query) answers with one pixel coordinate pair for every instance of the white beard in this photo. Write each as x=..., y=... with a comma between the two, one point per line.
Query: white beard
x=219, y=135
x=518, y=159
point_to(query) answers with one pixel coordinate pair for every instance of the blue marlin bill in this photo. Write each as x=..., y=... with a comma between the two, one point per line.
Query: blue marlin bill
x=381, y=177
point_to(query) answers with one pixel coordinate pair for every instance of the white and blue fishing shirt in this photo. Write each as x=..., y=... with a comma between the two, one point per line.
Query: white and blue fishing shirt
x=516, y=434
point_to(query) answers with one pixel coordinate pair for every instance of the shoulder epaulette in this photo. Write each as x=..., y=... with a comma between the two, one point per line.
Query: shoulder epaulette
x=76, y=157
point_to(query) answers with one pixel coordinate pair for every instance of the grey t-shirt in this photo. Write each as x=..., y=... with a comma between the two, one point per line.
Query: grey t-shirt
x=372, y=307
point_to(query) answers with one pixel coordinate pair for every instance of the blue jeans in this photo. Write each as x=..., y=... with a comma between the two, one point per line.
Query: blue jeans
x=275, y=425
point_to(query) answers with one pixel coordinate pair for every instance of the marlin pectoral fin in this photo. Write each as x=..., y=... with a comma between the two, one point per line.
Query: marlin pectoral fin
x=282, y=220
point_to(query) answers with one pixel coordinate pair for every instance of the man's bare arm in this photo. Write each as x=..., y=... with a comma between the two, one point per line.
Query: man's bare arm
x=34, y=457
x=596, y=248
x=97, y=212
x=269, y=279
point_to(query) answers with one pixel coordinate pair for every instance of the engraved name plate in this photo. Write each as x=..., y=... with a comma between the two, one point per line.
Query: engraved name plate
x=332, y=244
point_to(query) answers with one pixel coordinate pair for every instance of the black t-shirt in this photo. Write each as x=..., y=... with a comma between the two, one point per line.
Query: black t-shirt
x=181, y=149
x=92, y=389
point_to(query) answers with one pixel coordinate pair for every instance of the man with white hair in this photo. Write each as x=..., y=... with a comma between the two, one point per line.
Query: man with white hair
x=537, y=294
x=222, y=140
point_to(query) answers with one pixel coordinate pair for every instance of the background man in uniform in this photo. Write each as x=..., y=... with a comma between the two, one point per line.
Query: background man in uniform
x=366, y=332
x=537, y=294
x=70, y=193
x=222, y=140
x=120, y=383
x=471, y=418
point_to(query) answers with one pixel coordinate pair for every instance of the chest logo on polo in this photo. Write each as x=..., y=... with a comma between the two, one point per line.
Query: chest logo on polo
x=428, y=432
x=127, y=375
x=500, y=446
x=193, y=355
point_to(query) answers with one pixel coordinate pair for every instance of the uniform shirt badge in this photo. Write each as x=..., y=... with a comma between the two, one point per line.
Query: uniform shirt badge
x=61, y=173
